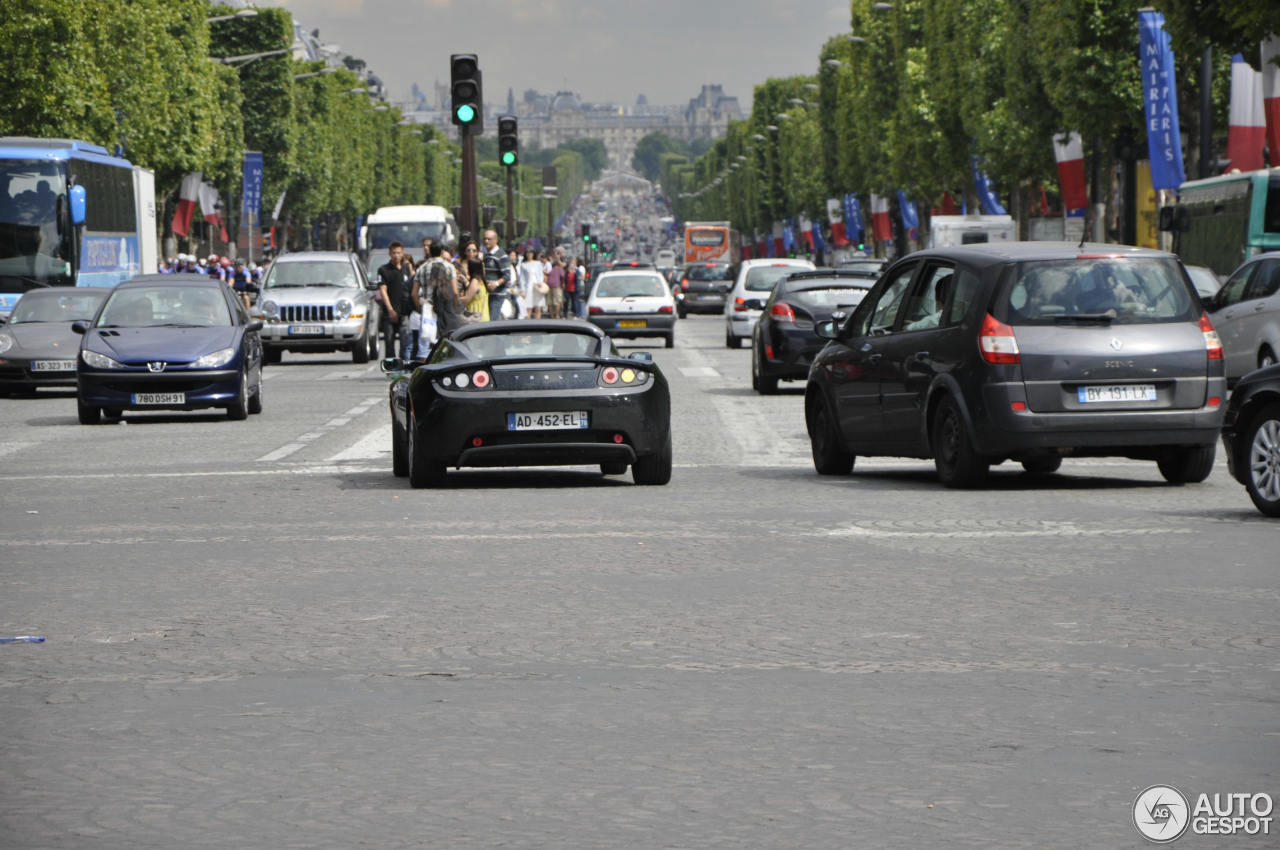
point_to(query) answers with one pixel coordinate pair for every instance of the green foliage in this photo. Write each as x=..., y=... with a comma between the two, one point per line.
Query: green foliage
x=595, y=156
x=1230, y=26
x=650, y=148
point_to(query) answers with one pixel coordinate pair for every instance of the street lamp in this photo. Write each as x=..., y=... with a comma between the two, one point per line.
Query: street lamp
x=812, y=87
x=249, y=57
x=316, y=73
x=243, y=13
x=355, y=91
x=773, y=128
x=833, y=63
x=782, y=116
x=797, y=101
x=758, y=137
x=380, y=108
x=882, y=7
x=857, y=40
x=433, y=141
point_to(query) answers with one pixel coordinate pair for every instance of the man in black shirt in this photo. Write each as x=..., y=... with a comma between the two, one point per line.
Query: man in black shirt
x=393, y=285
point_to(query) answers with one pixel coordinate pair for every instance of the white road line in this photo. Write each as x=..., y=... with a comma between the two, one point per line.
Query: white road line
x=337, y=423
x=297, y=470
x=699, y=372
x=1066, y=531
x=10, y=448
x=376, y=445
x=282, y=452
x=301, y=441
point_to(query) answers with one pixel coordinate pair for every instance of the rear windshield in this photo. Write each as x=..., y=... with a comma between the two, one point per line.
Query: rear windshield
x=874, y=266
x=832, y=298
x=707, y=272
x=627, y=285
x=491, y=346
x=765, y=278
x=1128, y=292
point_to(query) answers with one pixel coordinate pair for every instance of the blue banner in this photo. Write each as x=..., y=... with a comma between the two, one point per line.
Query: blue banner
x=251, y=190
x=910, y=219
x=108, y=254
x=852, y=218
x=818, y=243
x=788, y=236
x=1159, y=91
x=986, y=191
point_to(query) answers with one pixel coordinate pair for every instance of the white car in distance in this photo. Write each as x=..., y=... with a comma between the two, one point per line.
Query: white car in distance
x=753, y=283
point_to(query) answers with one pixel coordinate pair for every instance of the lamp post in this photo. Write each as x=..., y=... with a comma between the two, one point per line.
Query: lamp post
x=243, y=13
x=250, y=57
x=316, y=73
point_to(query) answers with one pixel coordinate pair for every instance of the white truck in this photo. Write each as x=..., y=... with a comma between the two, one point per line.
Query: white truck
x=408, y=225
x=946, y=231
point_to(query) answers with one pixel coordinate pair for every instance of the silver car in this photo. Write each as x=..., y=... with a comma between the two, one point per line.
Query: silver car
x=319, y=301
x=1246, y=314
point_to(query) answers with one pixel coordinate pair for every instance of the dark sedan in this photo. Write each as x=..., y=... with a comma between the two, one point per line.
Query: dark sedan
x=1251, y=433
x=531, y=393
x=38, y=348
x=169, y=342
x=783, y=342
x=704, y=286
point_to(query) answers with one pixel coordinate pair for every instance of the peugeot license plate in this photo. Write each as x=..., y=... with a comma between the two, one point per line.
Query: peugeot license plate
x=1121, y=392
x=547, y=421
x=305, y=330
x=53, y=365
x=159, y=398
x=633, y=323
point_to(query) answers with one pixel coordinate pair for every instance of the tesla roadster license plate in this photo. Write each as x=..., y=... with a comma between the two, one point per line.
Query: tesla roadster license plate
x=1123, y=392
x=159, y=398
x=633, y=323
x=547, y=421
x=53, y=365
x=303, y=330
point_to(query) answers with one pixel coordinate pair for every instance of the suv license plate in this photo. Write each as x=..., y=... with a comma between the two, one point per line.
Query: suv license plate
x=547, y=421
x=1122, y=392
x=295, y=330
x=159, y=398
x=53, y=365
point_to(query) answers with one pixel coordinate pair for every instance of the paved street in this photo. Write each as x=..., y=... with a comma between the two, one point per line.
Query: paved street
x=258, y=637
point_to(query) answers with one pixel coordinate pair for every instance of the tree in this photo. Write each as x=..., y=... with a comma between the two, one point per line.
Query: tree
x=1231, y=26
x=650, y=148
x=594, y=154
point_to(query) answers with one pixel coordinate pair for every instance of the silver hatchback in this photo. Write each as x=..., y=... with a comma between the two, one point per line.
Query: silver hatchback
x=1246, y=314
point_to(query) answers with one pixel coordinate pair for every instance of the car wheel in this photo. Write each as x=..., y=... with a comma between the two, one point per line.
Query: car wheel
x=273, y=356
x=613, y=468
x=682, y=313
x=238, y=411
x=1042, y=465
x=824, y=442
x=360, y=349
x=255, y=400
x=759, y=381
x=954, y=456
x=88, y=415
x=729, y=341
x=399, y=451
x=654, y=469
x=1187, y=465
x=755, y=374
x=373, y=345
x=423, y=471
x=5, y=393
x=1263, y=440
x=671, y=341
x=1266, y=358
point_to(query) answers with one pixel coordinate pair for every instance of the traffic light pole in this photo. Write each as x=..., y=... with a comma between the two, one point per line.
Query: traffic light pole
x=510, y=226
x=470, y=201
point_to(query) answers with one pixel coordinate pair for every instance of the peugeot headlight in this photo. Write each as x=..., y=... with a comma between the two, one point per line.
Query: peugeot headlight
x=214, y=360
x=342, y=308
x=100, y=361
x=6, y=342
x=269, y=309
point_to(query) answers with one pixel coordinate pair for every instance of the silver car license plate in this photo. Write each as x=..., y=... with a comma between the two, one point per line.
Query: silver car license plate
x=53, y=365
x=159, y=398
x=305, y=330
x=547, y=421
x=1121, y=392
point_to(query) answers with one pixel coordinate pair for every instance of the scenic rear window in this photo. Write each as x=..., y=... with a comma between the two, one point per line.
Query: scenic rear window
x=704, y=273
x=490, y=346
x=628, y=285
x=765, y=278
x=1128, y=291
x=831, y=298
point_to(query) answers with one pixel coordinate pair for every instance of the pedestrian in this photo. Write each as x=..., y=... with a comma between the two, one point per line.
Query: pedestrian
x=427, y=242
x=571, y=289
x=393, y=287
x=583, y=290
x=499, y=276
x=479, y=304
x=532, y=285
x=555, y=288
x=447, y=296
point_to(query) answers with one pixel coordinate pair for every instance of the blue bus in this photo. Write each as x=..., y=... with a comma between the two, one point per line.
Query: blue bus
x=71, y=215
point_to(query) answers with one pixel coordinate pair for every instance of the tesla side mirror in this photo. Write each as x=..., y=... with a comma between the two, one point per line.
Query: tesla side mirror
x=642, y=356
x=80, y=327
x=393, y=364
x=253, y=325
x=827, y=330
x=76, y=199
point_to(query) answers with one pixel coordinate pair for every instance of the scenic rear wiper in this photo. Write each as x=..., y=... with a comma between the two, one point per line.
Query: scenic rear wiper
x=1088, y=318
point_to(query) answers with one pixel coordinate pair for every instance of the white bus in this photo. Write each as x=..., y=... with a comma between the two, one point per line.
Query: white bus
x=408, y=225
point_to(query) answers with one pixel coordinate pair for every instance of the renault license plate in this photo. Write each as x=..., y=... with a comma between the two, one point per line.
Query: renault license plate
x=571, y=421
x=159, y=398
x=633, y=323
x=53, y=365
x=1121, y=392
x=305, y=330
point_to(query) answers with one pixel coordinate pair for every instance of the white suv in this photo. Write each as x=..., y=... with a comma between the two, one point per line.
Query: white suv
x=752, y=286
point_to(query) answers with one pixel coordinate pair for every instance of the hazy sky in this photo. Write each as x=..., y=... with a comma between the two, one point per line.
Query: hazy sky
x=606, y=50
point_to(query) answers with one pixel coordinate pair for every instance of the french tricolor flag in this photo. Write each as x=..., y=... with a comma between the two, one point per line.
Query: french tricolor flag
x=881, y=229
x=188, y=195
x=835, y=215
x=1248, y=123
x=1270, y=96
x=1069, y=151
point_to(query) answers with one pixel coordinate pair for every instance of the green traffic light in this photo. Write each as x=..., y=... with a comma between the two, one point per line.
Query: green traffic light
x=466, y=113
x=508, y=158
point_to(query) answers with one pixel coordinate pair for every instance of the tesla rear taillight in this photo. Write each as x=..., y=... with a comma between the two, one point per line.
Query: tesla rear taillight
x=664, y=309
x=1212, y=342
x=595, y=311
x=610, y=375
x=997, y=342
x=477, y=442
x=739, y=305
x=480, y=379
x=618, y=438
x=782, y=313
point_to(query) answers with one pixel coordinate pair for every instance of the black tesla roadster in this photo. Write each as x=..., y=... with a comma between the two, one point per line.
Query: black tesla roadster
x=531, y=393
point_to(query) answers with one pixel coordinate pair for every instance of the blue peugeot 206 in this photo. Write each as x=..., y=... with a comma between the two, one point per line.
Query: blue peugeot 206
x=169, y=342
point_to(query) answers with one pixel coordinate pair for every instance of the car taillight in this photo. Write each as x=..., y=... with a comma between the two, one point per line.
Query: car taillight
x=782, y=313
x=595, y=311
x=480, y=379
x=997, y=342
x=684, y=284
x=768, y=351
x=610, y=375
x=739, y=305
x=1212, y=342
x=664, y=309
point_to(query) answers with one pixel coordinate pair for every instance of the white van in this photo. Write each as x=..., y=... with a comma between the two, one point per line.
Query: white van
x=408, y=225
x=948, y=231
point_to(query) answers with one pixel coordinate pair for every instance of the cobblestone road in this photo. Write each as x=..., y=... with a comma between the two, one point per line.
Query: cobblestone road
x=257, y=637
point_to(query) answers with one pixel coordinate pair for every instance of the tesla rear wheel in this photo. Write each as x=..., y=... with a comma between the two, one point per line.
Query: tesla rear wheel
x=654, y=469
x=824, y=442
x=399, y=451
x=1187, y=465
x=1042, y=465
x=238, y=411
x=88, y=415
x=1263, y=440
x=423, y=471
x=958, y=463
x=255, y=400
x=613, y=468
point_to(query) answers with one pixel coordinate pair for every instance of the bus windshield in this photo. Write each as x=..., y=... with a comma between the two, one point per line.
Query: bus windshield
x=408, y=234
x=35, y=248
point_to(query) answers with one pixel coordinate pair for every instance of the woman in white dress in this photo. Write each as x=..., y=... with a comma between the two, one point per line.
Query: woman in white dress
x=529, y=276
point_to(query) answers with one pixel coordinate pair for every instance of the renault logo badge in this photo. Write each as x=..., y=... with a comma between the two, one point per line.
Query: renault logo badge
x=157, y=366
x=1116, y=344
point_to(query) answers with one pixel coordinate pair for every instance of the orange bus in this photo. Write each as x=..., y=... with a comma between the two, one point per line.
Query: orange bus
x=711, y=242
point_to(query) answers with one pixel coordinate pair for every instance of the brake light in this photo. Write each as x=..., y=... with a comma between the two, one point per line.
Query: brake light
x=480, y=379
x=739, y=305
x=768, y=351
x=1018, y=405
x=1212, y=342
x=610, y=375
x=1214, y=401
x=782, y=313
x=684, y=284
x=997, y=342
x=664, y=309
x=595, y=311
